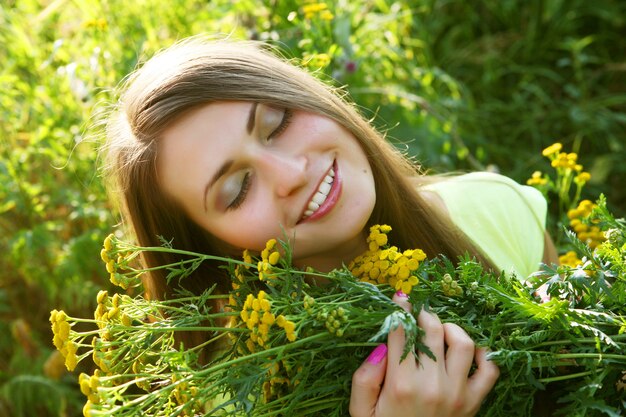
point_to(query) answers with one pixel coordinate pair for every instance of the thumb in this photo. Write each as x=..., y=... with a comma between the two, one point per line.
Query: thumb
x=367, y=382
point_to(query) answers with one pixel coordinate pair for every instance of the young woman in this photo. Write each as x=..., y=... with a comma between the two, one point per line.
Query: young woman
x=220, y=145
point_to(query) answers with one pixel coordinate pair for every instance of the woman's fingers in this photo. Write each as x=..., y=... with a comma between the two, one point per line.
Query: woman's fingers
x=402, y=300
x=384, y=386
x=396, y=342
x=461, y=351
x=367, y=382
x=433, y=339
x=484, y=377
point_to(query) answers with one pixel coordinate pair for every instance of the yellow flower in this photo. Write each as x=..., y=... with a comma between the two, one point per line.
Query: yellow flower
x=552, y=149
x=316, y=61
x=270, y=244
x=83, y=382
x=247, y=258
x=310, y=10
x=269, y=258
x=403, y=272
x=536, y=179
x=582, y=178
x=71, y=360
x=108, y=242
x=87, y=409
x=273, y=258
x=268, y=318
x=593, y=236
x=327, y=15
x=565, y=160
x=570, y=258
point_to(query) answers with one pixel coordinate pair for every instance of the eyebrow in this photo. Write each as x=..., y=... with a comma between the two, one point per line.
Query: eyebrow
x=220, y=172
x=251, y=118
x=227, y=164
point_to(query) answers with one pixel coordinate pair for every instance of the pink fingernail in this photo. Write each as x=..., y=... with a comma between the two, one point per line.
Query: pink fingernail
x=377, y=354
x=401, y=294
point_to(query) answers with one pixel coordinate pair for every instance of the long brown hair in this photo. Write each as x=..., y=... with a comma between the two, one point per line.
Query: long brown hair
x=196, y=72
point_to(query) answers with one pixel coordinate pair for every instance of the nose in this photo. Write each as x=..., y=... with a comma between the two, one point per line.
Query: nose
x=286, y=173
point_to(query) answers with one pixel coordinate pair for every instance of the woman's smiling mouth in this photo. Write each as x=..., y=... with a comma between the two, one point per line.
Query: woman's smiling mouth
x=325, y=196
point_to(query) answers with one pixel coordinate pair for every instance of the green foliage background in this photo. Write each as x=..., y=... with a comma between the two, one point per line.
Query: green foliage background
x=462, y=85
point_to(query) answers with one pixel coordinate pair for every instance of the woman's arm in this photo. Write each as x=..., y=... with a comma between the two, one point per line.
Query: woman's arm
x=421, y=387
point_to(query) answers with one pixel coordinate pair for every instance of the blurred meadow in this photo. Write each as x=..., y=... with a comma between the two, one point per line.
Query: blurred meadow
x=461, y=85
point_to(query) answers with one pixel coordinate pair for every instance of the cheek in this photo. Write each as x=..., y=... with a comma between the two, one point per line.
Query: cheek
x=251, y=229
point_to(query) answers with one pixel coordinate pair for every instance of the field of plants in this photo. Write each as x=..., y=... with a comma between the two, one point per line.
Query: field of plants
x=461, y=85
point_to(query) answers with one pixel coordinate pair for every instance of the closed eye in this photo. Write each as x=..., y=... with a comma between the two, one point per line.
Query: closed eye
x=283, y=125
x=243, y=192
x=246, y=181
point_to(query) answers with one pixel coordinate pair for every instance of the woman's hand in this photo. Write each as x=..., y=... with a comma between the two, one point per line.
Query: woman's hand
x=421, y=387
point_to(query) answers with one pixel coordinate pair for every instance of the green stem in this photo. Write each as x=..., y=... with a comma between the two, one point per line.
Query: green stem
x=217, y=367
x=195, y=329
x=569, y=376
x=590, y=356
x=581, y=340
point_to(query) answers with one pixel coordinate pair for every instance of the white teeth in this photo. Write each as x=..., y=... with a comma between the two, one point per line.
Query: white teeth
x=322, y=193
x=319, y=198
x=324, y=188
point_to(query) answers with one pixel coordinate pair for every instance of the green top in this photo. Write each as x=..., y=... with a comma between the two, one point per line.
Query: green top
x=505, y=219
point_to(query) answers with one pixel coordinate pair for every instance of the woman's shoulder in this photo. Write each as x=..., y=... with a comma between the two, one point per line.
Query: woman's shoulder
x=480, y=178
x=504, y=218
x=483, y=186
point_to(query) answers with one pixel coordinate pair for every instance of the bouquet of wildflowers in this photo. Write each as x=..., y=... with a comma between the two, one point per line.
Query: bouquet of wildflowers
x=288, y=340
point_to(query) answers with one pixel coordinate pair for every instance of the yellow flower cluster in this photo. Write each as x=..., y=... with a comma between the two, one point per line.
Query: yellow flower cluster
x=592, y=235
x=183, y=393
x=234, y=302
x=108, y=309
x=239, y=276
x=280, y=379
x=269, y=257
x=113, y=262
x=61, y=339
x=101, y=358
x=89, y=386
x=258, y=317
x=96, y=23
x=565, y=161
x=103, y=314
x=570, y=259
x=383, y=264
x=316, y=61
x=289, y=327
x=321, y=9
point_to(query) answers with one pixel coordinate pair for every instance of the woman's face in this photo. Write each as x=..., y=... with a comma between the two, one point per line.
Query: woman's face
x=248, y=172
